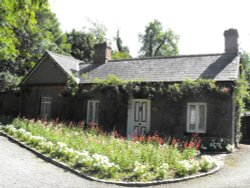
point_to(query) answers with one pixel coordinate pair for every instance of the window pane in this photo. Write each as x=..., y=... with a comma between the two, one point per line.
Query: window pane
x=96, y=112
x=45, y=107
x=48, y=107
x=90, y=112
x=192, y=117
x=136, y=111
x=144, y=112
x=201, y=126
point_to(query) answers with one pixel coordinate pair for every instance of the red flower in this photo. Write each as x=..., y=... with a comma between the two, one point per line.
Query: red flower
x=174, y=142
x=162, y=141
x=198, y=145
x=185, y=145
x=142, y=139
x=191, y=144
x=135, y=138
x=116, y=134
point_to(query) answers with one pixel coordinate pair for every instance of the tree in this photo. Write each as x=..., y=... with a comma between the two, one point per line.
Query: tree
x=82, y=42
x=33, y=43
x=245, y=64
x=27, y=29
x=122, y=51
x=156, y=42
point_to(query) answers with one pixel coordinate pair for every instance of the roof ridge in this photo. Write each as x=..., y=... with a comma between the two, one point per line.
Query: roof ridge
x=167, y=57
x=64, y=56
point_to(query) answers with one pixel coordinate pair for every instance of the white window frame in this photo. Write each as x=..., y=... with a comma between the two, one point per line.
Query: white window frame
x=96, y=119
x=197, y=118
x=45, y=107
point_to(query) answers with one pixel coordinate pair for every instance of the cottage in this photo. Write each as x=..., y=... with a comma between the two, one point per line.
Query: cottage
x=44, y=94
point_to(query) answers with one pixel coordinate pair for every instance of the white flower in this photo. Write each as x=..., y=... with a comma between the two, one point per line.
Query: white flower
x=37, y=139
x=83, y=157
x=206, y=162
x=61, y=145
x=164, y=166
x=21, y=130
x=139, y=168
x=185, y=164
x=102, y=161
x=229, y=148
x=207, y=158
x=46, y=145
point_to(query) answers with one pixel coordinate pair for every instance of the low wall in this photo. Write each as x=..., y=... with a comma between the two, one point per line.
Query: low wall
x=9, y=103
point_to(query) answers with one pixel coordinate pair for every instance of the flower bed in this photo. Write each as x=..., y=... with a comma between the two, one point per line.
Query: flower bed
x=108, y=157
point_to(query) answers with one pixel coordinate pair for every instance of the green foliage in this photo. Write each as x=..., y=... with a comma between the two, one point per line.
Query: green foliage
x=14, y=15
x=104, y=155
x=122, y=51
x=27, y=29
x=82, y=42
x=156, y=42
x=245, y=63
x=175, y=91
x=241, y=93
x=240, y=96
x=9, y=82
x=120, y=55
x=72, y=86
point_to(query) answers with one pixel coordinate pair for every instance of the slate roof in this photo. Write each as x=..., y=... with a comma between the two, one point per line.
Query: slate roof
x=68, y=63
x=218, y=67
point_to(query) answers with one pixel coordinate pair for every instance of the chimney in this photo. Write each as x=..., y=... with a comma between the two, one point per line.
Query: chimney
x=102, y=53
x=231, y=41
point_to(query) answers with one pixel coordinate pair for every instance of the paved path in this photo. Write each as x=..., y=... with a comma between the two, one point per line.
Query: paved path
x=20, y=168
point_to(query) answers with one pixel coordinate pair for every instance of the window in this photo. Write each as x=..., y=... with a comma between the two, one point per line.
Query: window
x=93, y=111
x=196, y=117
x=45, y=107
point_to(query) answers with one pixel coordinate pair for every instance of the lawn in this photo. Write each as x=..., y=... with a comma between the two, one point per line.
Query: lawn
x=110, y=156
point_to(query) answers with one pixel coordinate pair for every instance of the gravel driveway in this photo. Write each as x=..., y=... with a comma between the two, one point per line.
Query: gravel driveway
x=21, y=168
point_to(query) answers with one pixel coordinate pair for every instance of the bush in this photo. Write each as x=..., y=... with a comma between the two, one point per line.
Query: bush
x=206, y=163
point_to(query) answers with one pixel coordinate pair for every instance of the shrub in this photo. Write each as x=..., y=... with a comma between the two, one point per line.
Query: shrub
x=206, y=163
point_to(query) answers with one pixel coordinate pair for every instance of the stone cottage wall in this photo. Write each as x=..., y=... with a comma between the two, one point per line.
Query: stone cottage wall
x=9, y=103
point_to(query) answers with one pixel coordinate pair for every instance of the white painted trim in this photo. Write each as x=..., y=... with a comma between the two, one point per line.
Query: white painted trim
x=45, y=103
x=196, y=104
x=130, y=120
x=94, y=109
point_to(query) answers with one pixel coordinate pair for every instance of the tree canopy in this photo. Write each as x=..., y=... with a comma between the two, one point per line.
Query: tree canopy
x=27, y=29
x=157, y=42
x=122, y=51
x=82, y=42
x=245, y=63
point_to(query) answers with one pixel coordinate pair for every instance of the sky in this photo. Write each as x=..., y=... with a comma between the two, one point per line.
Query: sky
x=199, y=23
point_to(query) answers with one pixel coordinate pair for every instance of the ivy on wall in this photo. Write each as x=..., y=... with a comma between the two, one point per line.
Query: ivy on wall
x=174, y=91
x=241, y=97
x=113, y=87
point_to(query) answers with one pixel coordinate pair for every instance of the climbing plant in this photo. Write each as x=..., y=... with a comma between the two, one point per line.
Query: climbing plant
x=121, y=90
x=174, y=91
x=241, y=98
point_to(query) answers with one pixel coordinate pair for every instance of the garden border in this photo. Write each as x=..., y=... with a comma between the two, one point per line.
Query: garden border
x=78, y=173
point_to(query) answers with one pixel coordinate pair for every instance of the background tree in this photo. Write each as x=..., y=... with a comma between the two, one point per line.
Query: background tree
x=82, y=42
x=122, y=51
x=156, y=42
x=27, y=29
x=245, y=63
